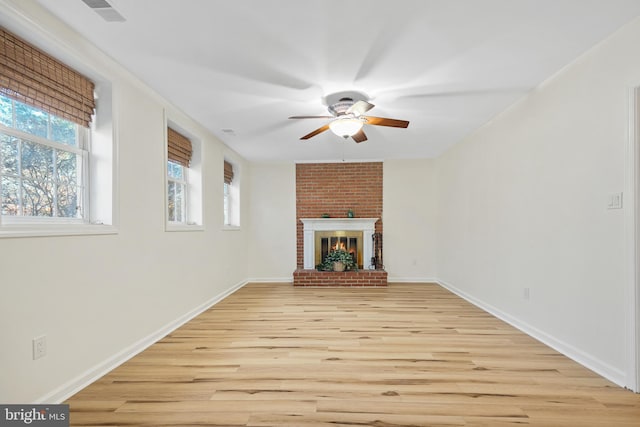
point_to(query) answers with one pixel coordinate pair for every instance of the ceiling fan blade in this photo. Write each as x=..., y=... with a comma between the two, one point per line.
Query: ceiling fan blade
x=360, y=136
x=381, y=121
x=311, y=117
x=360, y=108
x=315, y=132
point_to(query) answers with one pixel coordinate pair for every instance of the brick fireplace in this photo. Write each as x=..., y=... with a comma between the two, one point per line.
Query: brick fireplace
x=333, y=189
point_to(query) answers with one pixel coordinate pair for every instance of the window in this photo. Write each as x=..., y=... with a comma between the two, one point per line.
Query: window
x=42, y=167
x=184, y=204
x=46, y=133
x=177, y=191
x=231, y=200
x=179, y=150
x=227, y=186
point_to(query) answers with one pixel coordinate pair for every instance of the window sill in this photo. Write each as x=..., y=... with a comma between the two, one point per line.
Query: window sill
x=184, y=227
x=231, y=228
x=52, y=230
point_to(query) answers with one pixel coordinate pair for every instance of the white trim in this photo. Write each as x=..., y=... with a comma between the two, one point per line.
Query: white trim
x=601, y=368
x=421, y=280
x=170, y=227
x=635, y=262
x=331, y=224
x=632, y=238
x=47, y=230
x=115, y=157
x=70, y=388
x=39, y=221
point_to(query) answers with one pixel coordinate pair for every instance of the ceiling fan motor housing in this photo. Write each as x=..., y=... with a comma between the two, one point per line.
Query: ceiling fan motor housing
x=340, y=108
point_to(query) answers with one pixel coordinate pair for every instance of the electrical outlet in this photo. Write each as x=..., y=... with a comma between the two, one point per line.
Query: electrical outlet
x=39, y=347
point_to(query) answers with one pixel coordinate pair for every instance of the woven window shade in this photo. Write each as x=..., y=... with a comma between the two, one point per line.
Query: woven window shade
x=228, y=172
x=179, y=148
x=32, y=77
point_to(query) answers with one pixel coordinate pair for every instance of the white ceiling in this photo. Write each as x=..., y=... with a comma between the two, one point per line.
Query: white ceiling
x=447, y=66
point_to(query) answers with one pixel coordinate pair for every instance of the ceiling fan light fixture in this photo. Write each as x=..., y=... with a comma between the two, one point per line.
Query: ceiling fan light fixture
x=346, y=127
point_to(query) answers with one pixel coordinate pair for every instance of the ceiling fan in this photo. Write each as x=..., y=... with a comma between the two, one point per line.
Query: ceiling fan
x=348, y=117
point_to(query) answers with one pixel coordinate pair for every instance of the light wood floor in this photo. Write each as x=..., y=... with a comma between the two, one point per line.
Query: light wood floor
x=406, y=355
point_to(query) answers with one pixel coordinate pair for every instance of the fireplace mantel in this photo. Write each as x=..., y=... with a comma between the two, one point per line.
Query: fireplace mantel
x=311, y=225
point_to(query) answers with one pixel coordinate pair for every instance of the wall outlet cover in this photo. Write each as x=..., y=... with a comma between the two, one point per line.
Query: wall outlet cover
x=39, y=347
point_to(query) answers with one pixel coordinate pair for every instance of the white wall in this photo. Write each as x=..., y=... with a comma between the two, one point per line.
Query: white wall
x=272, y=249
x=98, y=297
x=409, y=212
x=523, y=204
x=409, y=209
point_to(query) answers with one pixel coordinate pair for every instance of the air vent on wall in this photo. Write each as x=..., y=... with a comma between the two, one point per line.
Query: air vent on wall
x=105, y=10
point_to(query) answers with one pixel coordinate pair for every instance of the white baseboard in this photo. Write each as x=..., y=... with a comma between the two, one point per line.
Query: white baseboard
x=271, y=280
x=396, y=279
x=73, y=386
x=613, y=374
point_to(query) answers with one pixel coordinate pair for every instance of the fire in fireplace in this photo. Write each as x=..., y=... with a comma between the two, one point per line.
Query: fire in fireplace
x=327, y=241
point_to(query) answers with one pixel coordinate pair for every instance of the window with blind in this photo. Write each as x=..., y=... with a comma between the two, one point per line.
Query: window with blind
x=231, y=195
x=179, y=151
x=46, y=110
x=184, y=207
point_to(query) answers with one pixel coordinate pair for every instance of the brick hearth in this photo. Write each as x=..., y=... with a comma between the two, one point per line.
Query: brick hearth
x=361, y=278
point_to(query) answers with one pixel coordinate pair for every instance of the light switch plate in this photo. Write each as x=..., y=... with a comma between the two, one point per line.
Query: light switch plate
x=615, y=201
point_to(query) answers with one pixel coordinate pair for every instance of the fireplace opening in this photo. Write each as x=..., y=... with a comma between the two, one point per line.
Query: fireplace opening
x=327, y=241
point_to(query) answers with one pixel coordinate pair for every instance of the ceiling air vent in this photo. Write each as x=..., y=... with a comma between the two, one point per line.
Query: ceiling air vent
x=105, y=10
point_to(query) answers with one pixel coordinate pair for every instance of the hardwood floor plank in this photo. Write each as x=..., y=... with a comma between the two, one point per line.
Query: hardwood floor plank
x=239, y=406
x=405, y=355
x=352, y=419
x=160, y=419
